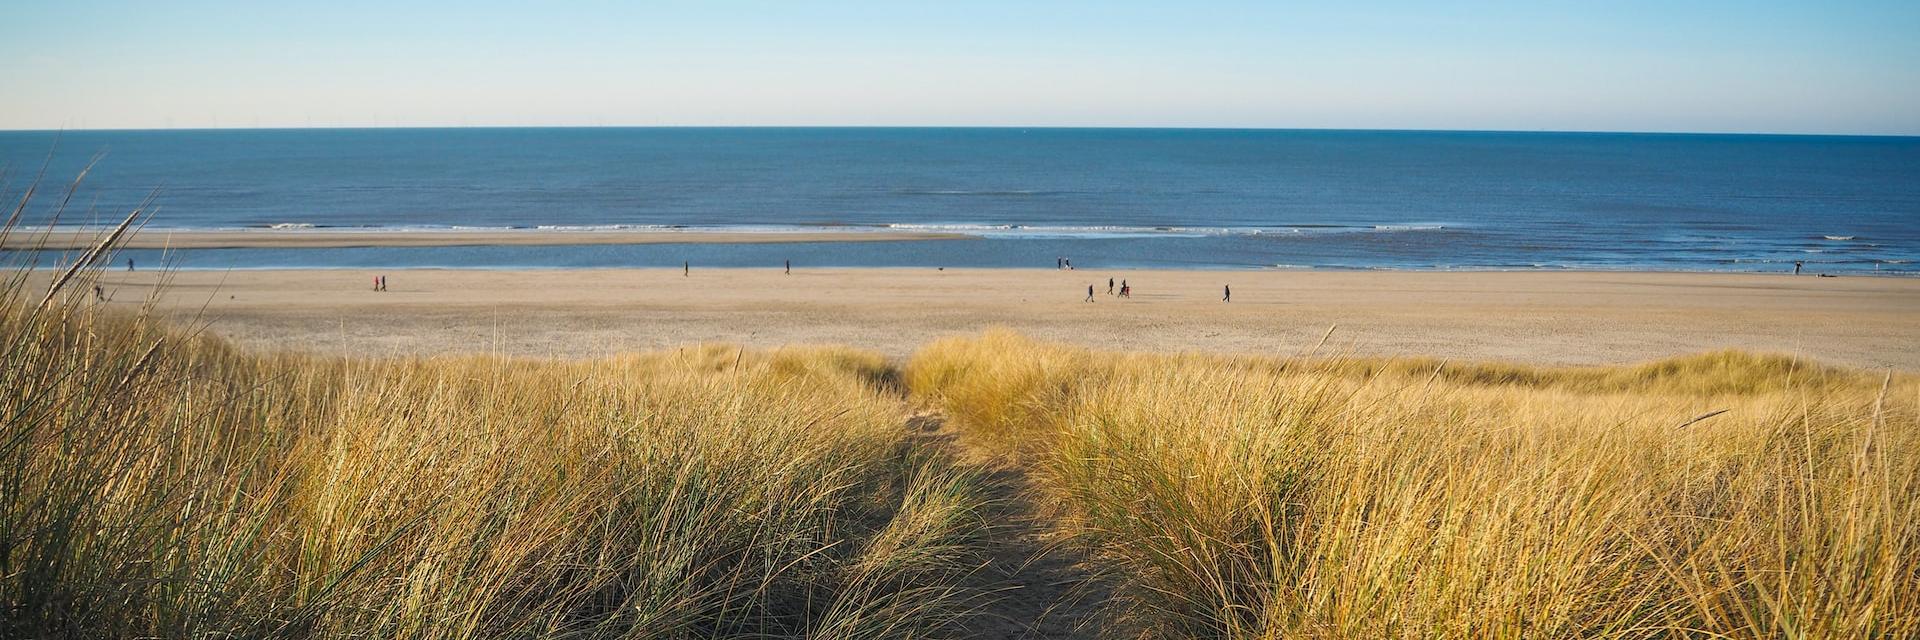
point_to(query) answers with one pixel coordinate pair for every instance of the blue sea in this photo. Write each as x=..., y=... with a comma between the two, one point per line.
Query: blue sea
x=1104, y=198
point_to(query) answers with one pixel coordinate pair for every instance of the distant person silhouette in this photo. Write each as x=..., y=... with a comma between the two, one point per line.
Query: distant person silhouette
x=129, y=265
x=1109, y=286
x=789, y=267
x=1089, y=293
x=1796, y=267
x=98, y=294
x=686, y=269
x=1228, y=290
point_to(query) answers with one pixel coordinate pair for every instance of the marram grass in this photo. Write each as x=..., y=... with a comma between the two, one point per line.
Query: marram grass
x=162, y=484
x=158, y=484
x=1354, y=498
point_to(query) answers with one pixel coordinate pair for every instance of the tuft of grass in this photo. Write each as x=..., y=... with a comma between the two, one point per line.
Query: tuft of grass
x=1007, y=390
x=1238, y=497
x=1717, y=372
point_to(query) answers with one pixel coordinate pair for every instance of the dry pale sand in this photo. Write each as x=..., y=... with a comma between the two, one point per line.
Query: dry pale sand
x=67, y=239
x=1575, y=318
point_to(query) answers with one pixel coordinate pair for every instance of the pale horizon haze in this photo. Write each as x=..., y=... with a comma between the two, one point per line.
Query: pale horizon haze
x=1761, y=67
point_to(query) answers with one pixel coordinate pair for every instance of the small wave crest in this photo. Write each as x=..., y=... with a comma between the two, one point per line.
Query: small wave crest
x=904, y=226
x=1078, y=230
x=977, y=192
x=605, y=227
x=1140, y=230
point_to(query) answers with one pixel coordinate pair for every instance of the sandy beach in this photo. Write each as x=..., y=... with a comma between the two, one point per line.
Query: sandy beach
x=1551, y=318
x=67, y=239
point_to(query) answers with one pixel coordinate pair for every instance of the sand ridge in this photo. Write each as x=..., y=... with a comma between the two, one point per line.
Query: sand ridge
x=1536, y=317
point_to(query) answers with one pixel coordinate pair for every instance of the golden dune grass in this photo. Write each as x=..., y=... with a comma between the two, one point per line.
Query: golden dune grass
x=1344, y=498
x=162, y=484
x=158, y=484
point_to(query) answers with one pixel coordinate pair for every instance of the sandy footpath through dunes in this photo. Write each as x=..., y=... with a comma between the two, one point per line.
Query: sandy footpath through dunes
x=1572, y=318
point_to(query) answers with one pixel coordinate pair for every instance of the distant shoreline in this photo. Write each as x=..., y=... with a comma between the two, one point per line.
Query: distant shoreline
x=68, y=239
x=1091, y=271
x=891, y=197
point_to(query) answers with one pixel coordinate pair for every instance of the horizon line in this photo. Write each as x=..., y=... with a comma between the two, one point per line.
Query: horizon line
x=980, y=127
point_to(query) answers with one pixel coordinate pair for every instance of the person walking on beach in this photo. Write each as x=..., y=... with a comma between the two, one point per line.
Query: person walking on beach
x=1796, y=267
x=686, y=269
x=376, y=283
x=1059, y=263
x=1089, y=293
x=1126, y=291
x=1228, y=289
x=99, y=295
x=789, y=267
x=1109, y=286
x=129, y=265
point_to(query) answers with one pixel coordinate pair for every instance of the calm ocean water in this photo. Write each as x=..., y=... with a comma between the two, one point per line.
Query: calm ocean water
x=1104, y=198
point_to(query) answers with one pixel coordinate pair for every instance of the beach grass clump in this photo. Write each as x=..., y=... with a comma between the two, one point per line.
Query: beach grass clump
x=157, y=483
x=1003, y=387
x=1724, y=495
x=1717, y=372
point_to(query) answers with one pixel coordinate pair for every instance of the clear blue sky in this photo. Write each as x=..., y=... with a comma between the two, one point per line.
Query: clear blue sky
x=1759, y=66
